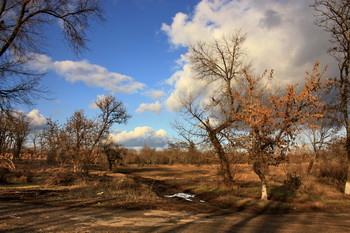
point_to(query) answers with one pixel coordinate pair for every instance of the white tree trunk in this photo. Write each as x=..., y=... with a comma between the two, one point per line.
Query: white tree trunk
x=347, y=188
x=263, y=192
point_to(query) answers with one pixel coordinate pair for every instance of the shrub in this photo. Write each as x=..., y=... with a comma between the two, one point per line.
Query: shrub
x=4, y=175
x=64, y=178
x=293, y=181
x=332, y=172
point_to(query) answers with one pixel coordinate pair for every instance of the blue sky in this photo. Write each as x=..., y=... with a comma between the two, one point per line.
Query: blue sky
x=142, y=43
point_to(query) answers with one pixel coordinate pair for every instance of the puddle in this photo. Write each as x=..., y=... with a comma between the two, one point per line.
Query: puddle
x=187, y=197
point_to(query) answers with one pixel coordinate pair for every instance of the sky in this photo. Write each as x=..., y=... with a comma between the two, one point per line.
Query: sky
x=138, y=53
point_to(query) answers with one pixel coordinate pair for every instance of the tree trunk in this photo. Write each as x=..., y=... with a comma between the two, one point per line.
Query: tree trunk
x=224, y=163
x=17, y=151
x=259, y=168
x=110, y=165
x=311, y=164
x=312, y=161
x=347, y=182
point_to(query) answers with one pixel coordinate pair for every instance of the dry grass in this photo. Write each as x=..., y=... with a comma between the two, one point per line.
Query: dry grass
x=136, y=187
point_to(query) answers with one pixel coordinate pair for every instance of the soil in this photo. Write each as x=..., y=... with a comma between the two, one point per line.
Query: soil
x=28, y=217
x=56, y=209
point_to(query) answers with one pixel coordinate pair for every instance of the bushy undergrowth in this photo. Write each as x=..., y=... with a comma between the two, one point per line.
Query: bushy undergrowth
x=293, y=181
x=335, y=170
x=149, y=156
x=8, y=176
x=65, y=177
x=4, y=175
x=332, y=172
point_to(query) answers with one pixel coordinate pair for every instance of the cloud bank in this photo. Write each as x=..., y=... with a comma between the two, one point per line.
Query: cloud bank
x=37, y=120
x=152, y=107
x=141, y=136
x=281, y=35
x=91, y=74
x=154, y=94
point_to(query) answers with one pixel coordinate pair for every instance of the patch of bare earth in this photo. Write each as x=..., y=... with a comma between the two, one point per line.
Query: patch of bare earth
x=22, y=217
x=132, y=199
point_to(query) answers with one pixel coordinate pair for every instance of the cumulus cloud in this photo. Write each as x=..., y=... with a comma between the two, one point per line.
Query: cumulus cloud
x=184, y=85
x=93, y=104
x=152, y=107
x=154, y=94
x=281, y=35
x=91, y=74
x=141, y=136
x=37, y=120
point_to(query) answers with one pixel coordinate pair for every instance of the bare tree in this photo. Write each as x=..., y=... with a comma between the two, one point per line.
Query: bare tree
x=22, y=23
x=5, y=132
x=83, y=136
x=113, y=151
x=217, y=65
x=21, y=130
x=334, y=17
x=112, y=112
x=80, y=131
x=53, y=141
x=321, y=131
x=14, y=129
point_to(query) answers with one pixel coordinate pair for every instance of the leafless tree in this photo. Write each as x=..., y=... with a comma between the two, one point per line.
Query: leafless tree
x=80, y=131
x=334, y=17
x=319, y=133
x=83, y=136
x=5, y=132
x=217, y=65
x=112, y=112
x=113, y=151
x=22, y=23
x=14, y=129
x=52, y=141
x=20, y=130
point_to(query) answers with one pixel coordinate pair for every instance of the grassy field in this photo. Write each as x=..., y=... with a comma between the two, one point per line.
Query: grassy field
x=138, y=188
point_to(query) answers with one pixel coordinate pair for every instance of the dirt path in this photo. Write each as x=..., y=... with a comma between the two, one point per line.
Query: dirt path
x=26, y=217
x=40, y=209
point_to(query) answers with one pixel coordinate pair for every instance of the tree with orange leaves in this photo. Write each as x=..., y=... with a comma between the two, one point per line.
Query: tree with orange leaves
x=272, y=119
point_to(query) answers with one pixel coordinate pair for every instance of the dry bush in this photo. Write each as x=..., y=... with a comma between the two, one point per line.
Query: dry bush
x=332, y=172
x=299, y=157
x=125, y=189
x=312, y=186
x=63, y=177
x=4, y=175
x=7, y=163
x=293, y=181
x=150, y=156
x=239, y=157
x=18, y=176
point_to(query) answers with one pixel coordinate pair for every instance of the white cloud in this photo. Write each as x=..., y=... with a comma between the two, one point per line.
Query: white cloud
x=154, y=94
x=37, y=119
x=93, y=103
x=281, y=35
x=91, y=74
x=185, y=85
x=141, y=136
x=152, y=107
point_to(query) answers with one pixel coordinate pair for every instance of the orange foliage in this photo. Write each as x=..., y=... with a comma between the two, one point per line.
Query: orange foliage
x=274, y=119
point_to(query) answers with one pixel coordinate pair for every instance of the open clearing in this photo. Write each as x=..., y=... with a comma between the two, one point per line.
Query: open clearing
x=132, y=200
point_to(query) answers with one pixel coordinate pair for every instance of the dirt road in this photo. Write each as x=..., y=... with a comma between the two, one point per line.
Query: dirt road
x=28, y=217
